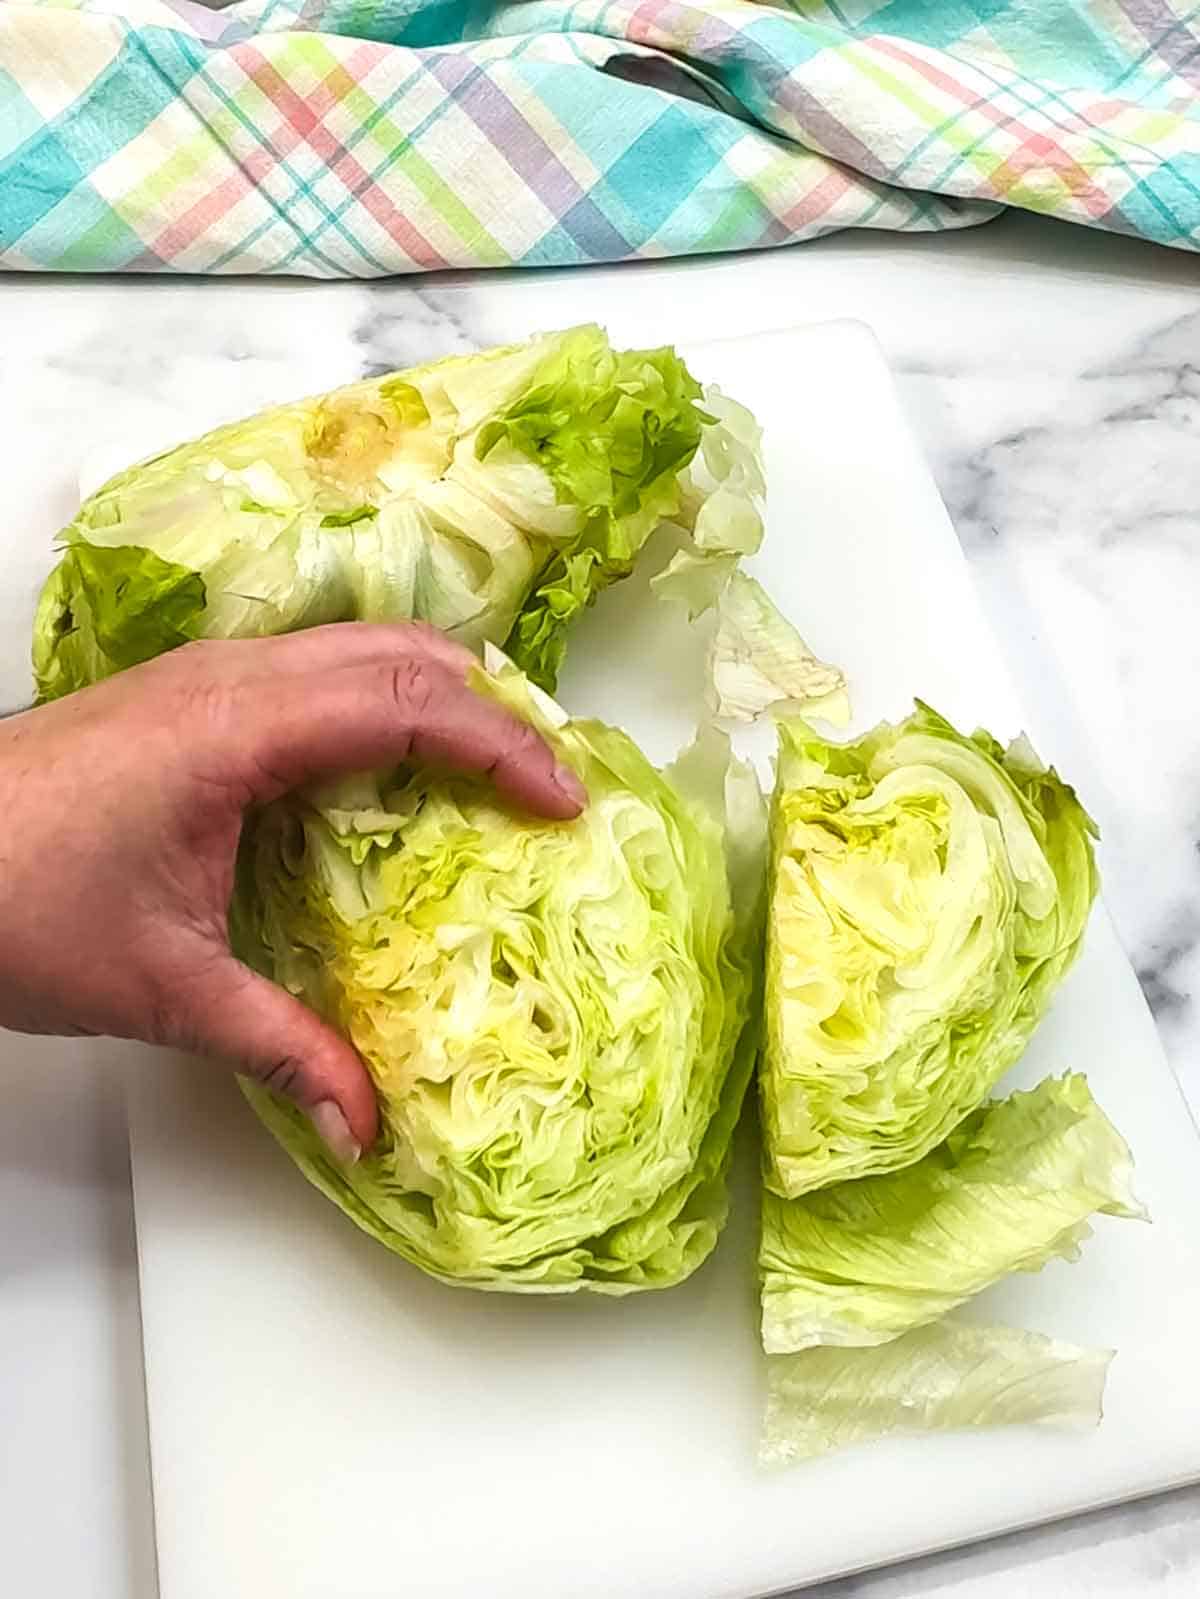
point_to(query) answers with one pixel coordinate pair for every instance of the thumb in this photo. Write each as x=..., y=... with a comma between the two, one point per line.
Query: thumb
x=275, y=1039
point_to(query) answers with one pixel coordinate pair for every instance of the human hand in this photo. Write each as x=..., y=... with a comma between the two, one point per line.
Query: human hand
x=120, y=813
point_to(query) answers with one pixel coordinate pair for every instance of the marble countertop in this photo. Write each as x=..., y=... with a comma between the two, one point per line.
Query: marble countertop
x=1053, y=377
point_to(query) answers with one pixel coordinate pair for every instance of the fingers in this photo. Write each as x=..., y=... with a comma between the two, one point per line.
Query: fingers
x=338, y=644
x=354, y=643
x=381, y=712
x=262, y=1031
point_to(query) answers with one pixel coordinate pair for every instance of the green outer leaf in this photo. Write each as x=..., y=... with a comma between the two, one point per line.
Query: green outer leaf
x=614, y=432
x=538, y=641
x=1011, y=1188
x=928, y=893
x=110, y=607
x=940, y=1378
x=359, y=513
x=607, y=427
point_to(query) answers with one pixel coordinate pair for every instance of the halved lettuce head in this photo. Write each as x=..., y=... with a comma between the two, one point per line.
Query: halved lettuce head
x=928, y=893
x=938, y=1378
x=493, y=495
x=560, y=1018
x=1012, y=1187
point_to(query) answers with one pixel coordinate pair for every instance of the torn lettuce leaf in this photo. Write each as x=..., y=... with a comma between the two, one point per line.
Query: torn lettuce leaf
x=940, y=1378
x=1012, y=1187
x=697, y=580
x=928, y=893
x=758, y=661
x=723, y=488
x=114, y=606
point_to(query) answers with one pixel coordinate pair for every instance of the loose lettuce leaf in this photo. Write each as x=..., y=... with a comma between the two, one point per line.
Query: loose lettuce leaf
x=493, y=495
x=1011, y=1188
x=720, y=507
x=695, y=578
x=719, y=515
x=758, y=661
x=938, y=1378
x=928, y=893
x=560, y=1019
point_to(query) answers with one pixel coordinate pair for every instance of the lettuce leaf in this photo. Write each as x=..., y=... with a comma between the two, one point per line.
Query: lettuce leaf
x=758, y=661
x=945, y=1377
x=1011, y=1188
x=118, y=605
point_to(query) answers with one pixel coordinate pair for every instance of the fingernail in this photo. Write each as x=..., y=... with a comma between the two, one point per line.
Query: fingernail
x=566, y=780
x=335, y=1132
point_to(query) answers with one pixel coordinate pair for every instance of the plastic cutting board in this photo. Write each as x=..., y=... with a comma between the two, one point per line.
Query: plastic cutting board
x=326, y=1422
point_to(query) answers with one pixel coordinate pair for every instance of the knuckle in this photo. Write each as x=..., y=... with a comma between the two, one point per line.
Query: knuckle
x=424, y=639
x=200, y=661
x=280, y=1076
x=199, y=689
x=179, y=991
x=212, y=705
x=524, y=743
x=227, y=755
x=415, y=686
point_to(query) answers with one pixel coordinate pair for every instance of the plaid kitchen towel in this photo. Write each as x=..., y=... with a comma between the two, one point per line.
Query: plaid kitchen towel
x=364, y=137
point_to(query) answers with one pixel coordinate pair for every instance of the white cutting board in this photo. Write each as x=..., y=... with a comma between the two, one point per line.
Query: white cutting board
x=327, y=1422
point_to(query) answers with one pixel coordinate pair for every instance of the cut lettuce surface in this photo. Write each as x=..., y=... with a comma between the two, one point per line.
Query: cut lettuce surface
x=720, y=509
x=928, y=893
x=1011, y=1188
x=560, y=1019
x=940, y=1378
x=493, y=495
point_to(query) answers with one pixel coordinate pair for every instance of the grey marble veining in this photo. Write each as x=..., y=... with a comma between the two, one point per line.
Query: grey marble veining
x=1053, y=377
x=1087, y=517
x=1151, y=1548
x=421, y=326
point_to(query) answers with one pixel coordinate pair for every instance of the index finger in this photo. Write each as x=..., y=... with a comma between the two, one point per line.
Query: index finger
x=308, y=728
x=336, y=644
x=353, y=643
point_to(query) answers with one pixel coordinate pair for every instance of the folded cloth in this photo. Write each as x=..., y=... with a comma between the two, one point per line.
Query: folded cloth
x=359, y=138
